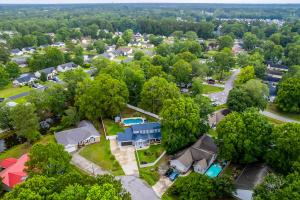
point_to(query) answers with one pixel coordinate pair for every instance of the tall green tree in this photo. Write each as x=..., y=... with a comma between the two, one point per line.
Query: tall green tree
x=182, y=71
x=13, y=70
x=155, y=91
x=102, y=97
x=285, y=149
x=244, y=138
x=180, y=122
x=224, y=61
x=4, y=77
x=250, y=41
x=28, y=128
x=127, y=35
x=225, y=41
x=246, y=74
x=99, y=46
x=288, y=95
x=48, y=159
x=4, y=54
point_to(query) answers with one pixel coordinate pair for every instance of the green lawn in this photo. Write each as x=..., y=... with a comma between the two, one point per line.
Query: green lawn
x=207, y=89
x=272, y=108
x=10, y=90
x=18, y=150
x=25, y=70
x=111, y=127
x=99, y=153
x=121, y=57
x=150, y=174
x=219, y=107
x=151, y=154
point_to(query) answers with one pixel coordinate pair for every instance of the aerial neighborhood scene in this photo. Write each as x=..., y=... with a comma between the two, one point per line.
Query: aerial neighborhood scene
x=149, y=100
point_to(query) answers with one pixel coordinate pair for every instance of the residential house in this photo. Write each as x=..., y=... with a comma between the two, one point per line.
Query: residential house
x=199, y=156
x=140, y=135
x=66, y=67
x=111, y=48
x=108, y=55
x=58, y=44
x=16, y=52
x=28, y=50
x=25, y=79
x=50, y=72
x=74, y=138
x=249, y=178
x=13, y=171
x=123, y=51
x=21, y=61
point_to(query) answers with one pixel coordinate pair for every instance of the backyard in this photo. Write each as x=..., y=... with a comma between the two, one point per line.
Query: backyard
x=151, y=154
x=111, y=127
x=19, y=150
x=10, y=90
x=127, y=112
x=100, y=154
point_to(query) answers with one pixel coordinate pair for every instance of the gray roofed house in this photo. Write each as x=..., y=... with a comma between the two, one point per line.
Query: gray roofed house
x=24, y=79
x=50, y=73
x=250, y=177
x=140, y=135
x=20, y=60
x=16, y=52
x=72, y=139
x=66, y=67
x=203, y=151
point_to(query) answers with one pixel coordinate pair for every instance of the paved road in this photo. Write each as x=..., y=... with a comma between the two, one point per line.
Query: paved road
x=278, y=117
x=87, y=165
x=138, y=189
x=221, y=97
x=24, y=94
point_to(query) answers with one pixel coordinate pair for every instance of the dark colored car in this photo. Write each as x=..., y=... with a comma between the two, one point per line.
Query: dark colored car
x=2, y=99
x=169, y=172
x=174, y=175
x=211, y=81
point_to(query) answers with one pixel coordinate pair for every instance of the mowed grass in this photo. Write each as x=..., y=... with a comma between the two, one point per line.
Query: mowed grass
x=150, y=174
x=10, y=90
x=207, y=89
x=151, y=154
x=272, y=108
x=100, y=154
x=18, y=150
x=111, y=127
x=274, y=121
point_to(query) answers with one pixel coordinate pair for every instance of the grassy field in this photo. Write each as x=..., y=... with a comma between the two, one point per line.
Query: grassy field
x=99, y=153
x=19, y=150
x=219, y=107
x=272, y=108
x=111, y=127
x=150, y=174
x=151, y=154
x=9, y=90
x=25, y=70
x=207, y=89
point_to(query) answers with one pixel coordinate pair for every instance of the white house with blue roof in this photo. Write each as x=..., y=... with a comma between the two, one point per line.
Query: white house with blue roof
x=140, y=135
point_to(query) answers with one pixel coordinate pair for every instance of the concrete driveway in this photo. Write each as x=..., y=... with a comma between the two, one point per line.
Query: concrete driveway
x=138, y=189
x=126, y=157
x=162, y=186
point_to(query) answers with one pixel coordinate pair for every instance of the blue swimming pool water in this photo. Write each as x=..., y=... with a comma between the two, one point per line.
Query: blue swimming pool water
x=214, y=170
x=133, y=121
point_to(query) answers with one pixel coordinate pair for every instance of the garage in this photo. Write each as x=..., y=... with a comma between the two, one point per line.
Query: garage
x=126, y=143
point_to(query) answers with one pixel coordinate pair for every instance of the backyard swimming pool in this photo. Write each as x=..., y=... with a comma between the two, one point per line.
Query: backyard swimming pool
x=133, y=121
x=214, y=170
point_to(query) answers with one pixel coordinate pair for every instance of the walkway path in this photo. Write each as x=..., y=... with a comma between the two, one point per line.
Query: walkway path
x=126, y=157
x=138, y=189
x=162, y=185
x=87, y=165
x=221, y=97
x=143, y=111
x=278, y=117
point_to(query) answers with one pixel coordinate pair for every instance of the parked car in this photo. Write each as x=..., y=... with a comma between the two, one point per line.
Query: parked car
x=211, y=81
x=2, y=99
x=169, y=172
x=174, y=175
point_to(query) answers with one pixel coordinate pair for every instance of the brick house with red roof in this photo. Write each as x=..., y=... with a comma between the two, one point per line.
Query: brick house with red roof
x=13, y=171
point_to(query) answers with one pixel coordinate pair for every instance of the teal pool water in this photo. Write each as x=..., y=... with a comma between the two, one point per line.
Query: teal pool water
x=132, y=121
x=214, y=170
